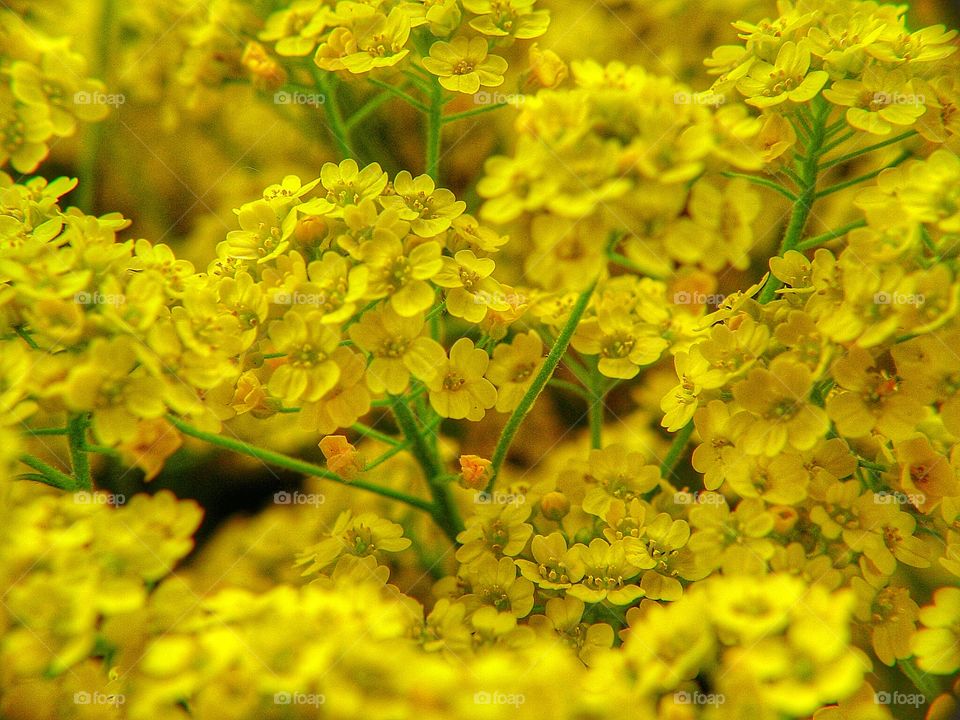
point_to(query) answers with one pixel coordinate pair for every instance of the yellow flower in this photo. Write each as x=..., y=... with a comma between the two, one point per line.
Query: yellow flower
x=622, y=343
x=458, y=389
x=397, y=347
x=343, y=404
x=429, y=210
x=513, y=368
x=937, y=644
x=342, y=457
x=474, y=472
x=789, y=78
x=500, y=529
x=380, y=41
x=401, y=274
x=264, y=232
x=495, y=583
x=360, y=535
x=111, y=382
x=891, y=615
x=878, y=101
x=607, y=575
x=508, y=18
x=24, y=130
x=463, y=65
x=295, y=29
x=308, y=371
x=471, y=289
x=778, y=407
x=554, y=566
x=347, y=186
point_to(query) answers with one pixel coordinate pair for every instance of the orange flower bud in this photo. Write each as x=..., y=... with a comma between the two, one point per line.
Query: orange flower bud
x=342, y=457
x=554, y=505
x=474, y=472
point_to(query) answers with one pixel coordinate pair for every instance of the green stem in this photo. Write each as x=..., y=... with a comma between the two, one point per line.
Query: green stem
x=862, y=178
x=285, y=461
x=48, y=431
x=539, y=382
x=444, y=511
x=27, y=337
x=77, y=438
x=375, y=434
x=470, y=113
x=763, y=183
x=94, y=133
x=923, y=682
x=804, y=201
x=365, y=110
x=819, y=240
x=434, y=131
x=595, y=408
x=409, y=99
x=677, y=447
x=857, y=153
x=51, y=476
x=386, y=456
x=335, y=122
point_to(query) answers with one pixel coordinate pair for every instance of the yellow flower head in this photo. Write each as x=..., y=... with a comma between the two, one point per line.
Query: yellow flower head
x=463, y=65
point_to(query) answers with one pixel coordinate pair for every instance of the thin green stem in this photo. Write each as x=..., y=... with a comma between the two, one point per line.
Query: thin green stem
x=444, y=511
x=409, y=99
x=368, y=431
x=595, y=407
x=837, y=143
x=285, y=461
x=539, y=382
x=763, y=183
x=434, y=131
x=569, y=387
x=677, y=447
x=47, y=431
x=819, y=240
x=367, y=109
x=51, y=476
x=27, y=337
x=470, y=113
x=863, y=151
x=923, y=682
x=386, y=456
x=77, y=437
x=803, y=203
x=862, y=178
x=335, y=122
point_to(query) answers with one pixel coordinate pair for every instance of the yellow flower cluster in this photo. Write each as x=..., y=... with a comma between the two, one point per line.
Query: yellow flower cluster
x=791, y=552
x=45, y=92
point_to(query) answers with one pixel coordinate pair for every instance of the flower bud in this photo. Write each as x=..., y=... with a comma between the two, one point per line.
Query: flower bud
x=554, y=505
x=342, y=457
x=784, y=518
x=474, y=472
